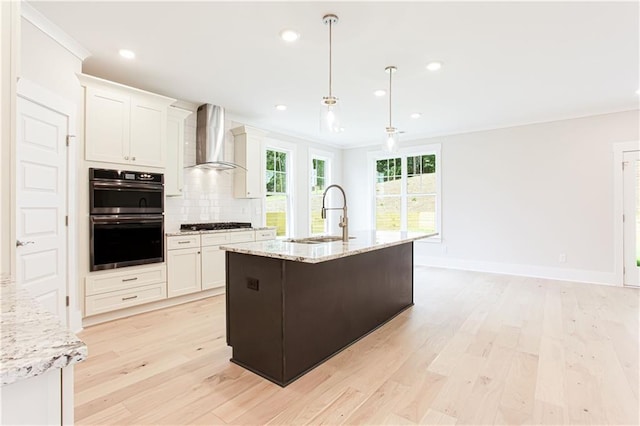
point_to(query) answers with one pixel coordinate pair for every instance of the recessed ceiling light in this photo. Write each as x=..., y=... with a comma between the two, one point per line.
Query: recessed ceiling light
x=281, y=107
x=415, y=115
x=127, y=54
x=289, y=35
x=434, y=66
x=380, y=92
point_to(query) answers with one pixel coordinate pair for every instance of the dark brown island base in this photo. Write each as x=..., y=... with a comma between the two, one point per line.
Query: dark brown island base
x=291, y=306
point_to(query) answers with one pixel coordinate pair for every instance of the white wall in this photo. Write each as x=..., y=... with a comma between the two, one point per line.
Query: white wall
x=208, y=194
x=515, y=199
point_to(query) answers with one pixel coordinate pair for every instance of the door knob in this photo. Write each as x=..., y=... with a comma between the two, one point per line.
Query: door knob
x=23, y=243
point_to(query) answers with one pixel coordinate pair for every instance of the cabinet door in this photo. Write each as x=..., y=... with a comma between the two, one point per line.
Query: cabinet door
x=107, y=118
x=213, y=267
x=148, y=133
x=174, y=172
x=183, y=270
x=33, y=401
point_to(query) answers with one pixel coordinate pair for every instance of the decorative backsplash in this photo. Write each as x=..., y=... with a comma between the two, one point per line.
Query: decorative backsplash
x=207, y=195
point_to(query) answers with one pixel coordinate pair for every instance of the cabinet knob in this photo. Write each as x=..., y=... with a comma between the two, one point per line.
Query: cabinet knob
x=133, y=158
x=126, y=157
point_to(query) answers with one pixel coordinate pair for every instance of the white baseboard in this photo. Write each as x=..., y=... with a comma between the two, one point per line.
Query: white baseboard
x=561, y=274
x=148, y=307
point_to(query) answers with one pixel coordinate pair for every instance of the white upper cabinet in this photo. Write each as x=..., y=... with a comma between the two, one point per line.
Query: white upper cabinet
x=174, y=175
x=124, y=125
x=248, y=183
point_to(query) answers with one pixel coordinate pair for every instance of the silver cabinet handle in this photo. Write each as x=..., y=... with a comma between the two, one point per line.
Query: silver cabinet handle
x=23, y=243
x=129, y=298
x=129, y=279
x=126, y=157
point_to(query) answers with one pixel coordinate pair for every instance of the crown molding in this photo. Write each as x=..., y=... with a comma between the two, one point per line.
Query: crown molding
x=56, y=33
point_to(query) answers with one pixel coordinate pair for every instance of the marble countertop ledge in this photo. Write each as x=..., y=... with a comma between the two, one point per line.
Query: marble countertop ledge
x=315, y=253
x=216, y=231
x=33, y=340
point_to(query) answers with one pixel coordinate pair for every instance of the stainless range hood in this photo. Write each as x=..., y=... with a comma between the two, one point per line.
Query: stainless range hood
x=210, y=139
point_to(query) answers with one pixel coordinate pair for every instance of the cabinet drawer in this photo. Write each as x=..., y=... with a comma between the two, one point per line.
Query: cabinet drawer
x=266, y=234
x=187, y=241
x=216, y=239
x=107, y=302
x=113, y=281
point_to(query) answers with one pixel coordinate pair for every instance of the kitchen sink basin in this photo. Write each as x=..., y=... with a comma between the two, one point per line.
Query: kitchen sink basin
x=316, y=240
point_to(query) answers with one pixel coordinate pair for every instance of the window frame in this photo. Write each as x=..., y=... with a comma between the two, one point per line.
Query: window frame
x=403, y=153
x=327, y=157
x=278, y=146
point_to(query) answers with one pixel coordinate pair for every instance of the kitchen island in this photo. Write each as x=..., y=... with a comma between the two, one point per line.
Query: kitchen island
x=292, y=305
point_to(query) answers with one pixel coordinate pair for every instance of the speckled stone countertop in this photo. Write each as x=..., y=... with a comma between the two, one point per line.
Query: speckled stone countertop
x=33, y=341
x=322, y=252
x=217, y=231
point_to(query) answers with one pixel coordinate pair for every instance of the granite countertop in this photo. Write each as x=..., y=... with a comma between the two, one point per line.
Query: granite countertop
x=216, y=231
x=33, y=341
x=322, y=252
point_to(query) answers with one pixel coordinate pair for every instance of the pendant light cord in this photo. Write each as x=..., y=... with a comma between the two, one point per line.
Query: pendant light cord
x=330, y=25
x=390, y=73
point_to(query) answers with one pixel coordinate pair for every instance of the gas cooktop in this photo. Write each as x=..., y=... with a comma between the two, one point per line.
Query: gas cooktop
x=214, y=226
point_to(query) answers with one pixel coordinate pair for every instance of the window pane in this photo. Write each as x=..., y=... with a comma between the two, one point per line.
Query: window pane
x=423, y=178
x=282, y=161
x=317, y=223
x=270, y=161
x=270, y=181
x=276, y=209
x=421, y=213
x=388, y=176
x=388, y=213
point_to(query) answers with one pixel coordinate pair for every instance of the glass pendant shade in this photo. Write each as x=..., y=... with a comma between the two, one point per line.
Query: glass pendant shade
x=330, y=115
x=391, y=140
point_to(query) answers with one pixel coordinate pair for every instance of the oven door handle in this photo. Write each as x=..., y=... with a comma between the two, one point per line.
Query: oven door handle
x=127, y=185
x=126, y=219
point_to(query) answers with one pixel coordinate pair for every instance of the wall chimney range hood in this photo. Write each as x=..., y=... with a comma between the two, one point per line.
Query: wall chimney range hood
x=210, y=139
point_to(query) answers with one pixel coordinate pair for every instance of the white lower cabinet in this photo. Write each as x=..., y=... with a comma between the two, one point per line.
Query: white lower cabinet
x=33, y=401
x=208, y=270
x=108, y=291
x=183, y=270
x=213, y=267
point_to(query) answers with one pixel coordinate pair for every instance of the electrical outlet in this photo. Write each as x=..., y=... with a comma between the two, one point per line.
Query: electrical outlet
x=253, y=284
x=562, y=258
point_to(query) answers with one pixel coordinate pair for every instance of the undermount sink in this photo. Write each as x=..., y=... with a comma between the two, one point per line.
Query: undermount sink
x=316, y=240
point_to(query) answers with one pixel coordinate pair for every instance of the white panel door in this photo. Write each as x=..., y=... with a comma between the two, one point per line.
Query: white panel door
x=41, y=203
x=631, y=194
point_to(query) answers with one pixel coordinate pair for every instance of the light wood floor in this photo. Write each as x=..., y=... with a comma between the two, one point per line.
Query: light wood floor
x=475, y=349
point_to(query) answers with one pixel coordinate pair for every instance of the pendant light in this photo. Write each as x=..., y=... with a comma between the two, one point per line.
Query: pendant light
x=392, y=134
x=329, y=113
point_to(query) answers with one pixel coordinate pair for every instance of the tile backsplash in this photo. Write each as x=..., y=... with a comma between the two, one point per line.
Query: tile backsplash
x=207, y=195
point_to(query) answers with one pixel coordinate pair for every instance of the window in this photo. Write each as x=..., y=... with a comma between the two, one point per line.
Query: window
x=277, y=191
x=320, y=172
x=407, y=193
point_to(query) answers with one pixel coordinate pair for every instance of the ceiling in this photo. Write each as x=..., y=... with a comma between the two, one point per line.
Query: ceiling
x=504, y=63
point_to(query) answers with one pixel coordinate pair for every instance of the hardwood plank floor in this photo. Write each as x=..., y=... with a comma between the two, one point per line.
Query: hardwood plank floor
x=476, y=348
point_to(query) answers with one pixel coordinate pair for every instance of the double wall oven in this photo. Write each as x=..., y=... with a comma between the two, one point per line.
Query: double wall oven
x=127, y=218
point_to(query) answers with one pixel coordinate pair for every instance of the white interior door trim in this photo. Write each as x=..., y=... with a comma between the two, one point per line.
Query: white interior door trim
x=33, y=92
x=618, y=227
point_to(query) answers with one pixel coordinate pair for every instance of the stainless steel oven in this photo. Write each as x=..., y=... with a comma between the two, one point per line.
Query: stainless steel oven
x=126, y=240
x=127, y=218
x=125, y=192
